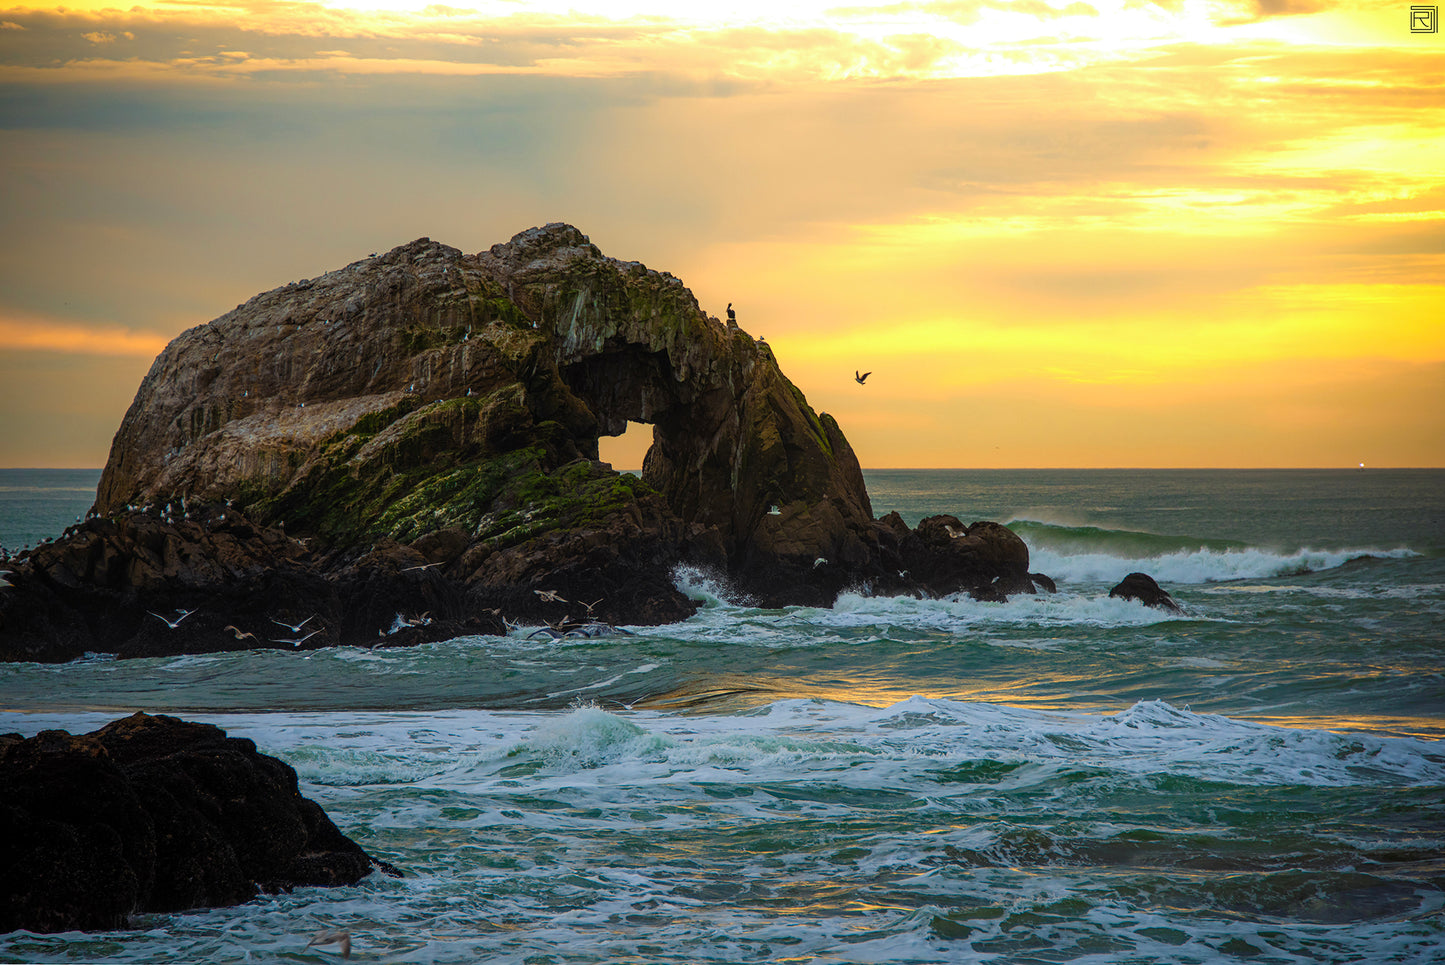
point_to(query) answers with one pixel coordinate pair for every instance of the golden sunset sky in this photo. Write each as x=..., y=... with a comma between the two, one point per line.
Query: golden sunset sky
x=1059, y=233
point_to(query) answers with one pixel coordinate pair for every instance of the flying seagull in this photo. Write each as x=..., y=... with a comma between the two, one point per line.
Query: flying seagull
x=860, y=379
x=169, y=622
x=294, y=627
x=297, y=641
x=549, y=596
x=240, y=634
x=342, y=938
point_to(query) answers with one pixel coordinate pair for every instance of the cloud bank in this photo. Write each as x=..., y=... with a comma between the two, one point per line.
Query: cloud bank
x=1213, y=220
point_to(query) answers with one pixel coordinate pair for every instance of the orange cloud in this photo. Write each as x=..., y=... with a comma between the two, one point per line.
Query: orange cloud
x=28, y=333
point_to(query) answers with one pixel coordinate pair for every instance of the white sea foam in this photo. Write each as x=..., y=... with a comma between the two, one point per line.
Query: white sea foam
x=788, y=738
x=854, y=613
x=1063, y=608
x=817, y=828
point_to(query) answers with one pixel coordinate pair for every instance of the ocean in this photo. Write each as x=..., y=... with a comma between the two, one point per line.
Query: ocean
x=1060, y=778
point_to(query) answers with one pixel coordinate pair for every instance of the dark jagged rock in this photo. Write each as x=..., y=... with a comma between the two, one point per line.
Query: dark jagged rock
x=154, y=814
x=1141, y=587
x=140, y=586
x=406, y=449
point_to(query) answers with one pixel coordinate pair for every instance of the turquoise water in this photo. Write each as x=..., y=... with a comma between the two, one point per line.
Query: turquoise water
x=1061, y=778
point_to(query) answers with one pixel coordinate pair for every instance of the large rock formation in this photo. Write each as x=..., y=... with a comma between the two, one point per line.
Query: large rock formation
x=421, y=427
x=154, y=814
x=424, y=390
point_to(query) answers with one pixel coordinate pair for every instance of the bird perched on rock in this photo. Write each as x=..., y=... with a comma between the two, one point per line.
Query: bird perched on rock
x=732, y=316
x=860, y=379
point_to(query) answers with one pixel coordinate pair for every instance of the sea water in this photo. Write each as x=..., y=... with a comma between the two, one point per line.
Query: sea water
x=37, y=504
x=1059, y=778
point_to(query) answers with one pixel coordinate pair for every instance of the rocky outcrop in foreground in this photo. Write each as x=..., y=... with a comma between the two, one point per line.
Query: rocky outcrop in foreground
x=154, y=814
x=406, y=449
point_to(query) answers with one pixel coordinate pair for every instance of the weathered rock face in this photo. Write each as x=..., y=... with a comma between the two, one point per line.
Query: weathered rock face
x=736, y=449
x=154, y=814
x=406, y=449
x=425, y=389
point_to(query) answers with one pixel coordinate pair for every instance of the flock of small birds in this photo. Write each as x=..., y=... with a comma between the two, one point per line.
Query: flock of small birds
x=558, y=629
x=567, y=627
x=175, y=619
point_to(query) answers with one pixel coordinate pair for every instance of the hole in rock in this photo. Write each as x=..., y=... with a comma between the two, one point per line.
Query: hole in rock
x=625, y=452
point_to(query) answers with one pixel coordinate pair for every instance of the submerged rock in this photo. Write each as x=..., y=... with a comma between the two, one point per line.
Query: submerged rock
x=1141, y=587
x=406, y=449
x=154, y=814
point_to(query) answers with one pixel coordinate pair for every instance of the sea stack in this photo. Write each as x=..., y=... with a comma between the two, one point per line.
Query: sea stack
x=418, y=433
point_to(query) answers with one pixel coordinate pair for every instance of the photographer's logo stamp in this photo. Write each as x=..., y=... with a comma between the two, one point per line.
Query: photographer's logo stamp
x=1424, y=20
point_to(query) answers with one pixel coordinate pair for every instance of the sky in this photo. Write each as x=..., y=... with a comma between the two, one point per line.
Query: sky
x=1058, y=233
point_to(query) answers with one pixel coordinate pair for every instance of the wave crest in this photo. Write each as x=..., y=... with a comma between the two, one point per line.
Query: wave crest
x=1094, y=554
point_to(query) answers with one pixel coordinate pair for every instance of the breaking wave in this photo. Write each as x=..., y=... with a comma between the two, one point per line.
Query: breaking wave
x=1094, y=554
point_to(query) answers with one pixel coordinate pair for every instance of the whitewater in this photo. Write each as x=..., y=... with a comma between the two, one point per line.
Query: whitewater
x=1062, y=778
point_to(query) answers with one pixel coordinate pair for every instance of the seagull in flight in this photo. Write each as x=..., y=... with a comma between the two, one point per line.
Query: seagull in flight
x=549, y=596
x=294, y=627
x=342, y=938
x=240, y=634
x=860, y=379
x=168, y=621
x=297, y=641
